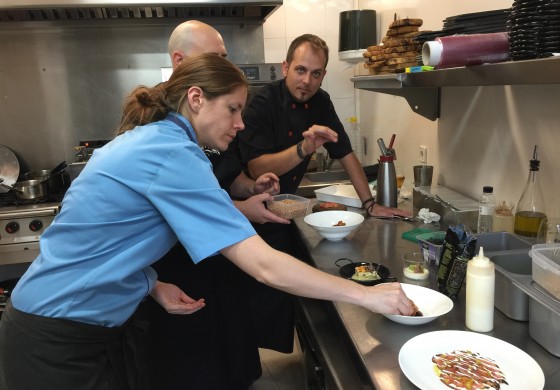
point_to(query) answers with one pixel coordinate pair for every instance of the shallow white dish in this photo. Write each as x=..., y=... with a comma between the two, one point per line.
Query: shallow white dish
x=324, y=223
x=415, y=359
x=431, y=303
x=341, y=193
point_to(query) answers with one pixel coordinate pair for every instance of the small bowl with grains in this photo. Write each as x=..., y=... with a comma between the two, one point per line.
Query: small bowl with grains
x=288, y=206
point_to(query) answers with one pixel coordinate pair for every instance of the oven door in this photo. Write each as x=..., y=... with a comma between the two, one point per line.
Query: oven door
x=18, y=253
x=14, y=261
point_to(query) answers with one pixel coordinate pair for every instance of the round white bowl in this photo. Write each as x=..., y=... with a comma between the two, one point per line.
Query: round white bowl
x=324, y=223
x=431, y=303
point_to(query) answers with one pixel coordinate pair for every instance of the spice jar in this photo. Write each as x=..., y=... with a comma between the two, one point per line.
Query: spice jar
x=503, y=219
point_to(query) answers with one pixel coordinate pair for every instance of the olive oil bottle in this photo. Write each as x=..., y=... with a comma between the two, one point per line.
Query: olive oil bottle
x=530, y=209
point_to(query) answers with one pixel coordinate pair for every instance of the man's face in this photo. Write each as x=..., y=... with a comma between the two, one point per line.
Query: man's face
x=305, y=73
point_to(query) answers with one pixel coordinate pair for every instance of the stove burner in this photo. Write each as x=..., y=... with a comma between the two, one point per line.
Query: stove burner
x=10, y=199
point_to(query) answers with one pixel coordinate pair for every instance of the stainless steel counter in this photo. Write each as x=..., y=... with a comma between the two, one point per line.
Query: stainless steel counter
x=374, y=341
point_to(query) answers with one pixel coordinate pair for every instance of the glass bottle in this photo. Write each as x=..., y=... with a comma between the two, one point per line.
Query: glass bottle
x=486, y=206
x=530, y=208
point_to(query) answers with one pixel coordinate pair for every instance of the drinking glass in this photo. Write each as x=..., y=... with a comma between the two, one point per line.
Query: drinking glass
x=399, y=170
x=549, y=231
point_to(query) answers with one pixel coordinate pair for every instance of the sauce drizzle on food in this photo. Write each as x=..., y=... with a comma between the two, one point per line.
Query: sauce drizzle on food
x=468, y=370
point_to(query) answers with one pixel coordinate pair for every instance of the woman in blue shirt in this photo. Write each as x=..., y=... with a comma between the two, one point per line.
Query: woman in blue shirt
x=69, y=323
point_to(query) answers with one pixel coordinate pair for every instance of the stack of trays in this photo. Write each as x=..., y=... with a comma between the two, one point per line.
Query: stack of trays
x=472, y=23
x=534, y=29
x=550, y=33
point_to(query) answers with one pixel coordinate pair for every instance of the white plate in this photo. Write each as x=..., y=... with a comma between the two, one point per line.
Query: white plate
x=341, y=193
x=431, y=303
x=521, y=371
x=325, y=223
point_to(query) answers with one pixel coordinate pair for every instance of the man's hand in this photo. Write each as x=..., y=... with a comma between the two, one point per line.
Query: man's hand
x=175, y=301
x=268, y=183
x=382, y=211
x=316, y=136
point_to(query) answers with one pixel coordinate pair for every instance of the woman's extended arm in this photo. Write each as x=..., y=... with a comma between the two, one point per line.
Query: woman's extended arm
x=286, y=273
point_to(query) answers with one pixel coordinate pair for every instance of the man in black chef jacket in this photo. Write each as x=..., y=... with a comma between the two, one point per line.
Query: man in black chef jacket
x=285, y=122
x=215, y=348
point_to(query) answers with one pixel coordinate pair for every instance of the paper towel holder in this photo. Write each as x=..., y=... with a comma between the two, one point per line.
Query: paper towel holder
x=357, y=31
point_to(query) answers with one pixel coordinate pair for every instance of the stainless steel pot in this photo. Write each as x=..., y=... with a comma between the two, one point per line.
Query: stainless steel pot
x=53, y=178
x=29, y=189
x=54, y=182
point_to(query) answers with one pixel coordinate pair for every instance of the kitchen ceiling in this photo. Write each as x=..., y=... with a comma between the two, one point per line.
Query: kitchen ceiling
x=14, y=11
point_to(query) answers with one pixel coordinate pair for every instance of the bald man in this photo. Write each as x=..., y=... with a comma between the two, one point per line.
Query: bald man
x=194, y=37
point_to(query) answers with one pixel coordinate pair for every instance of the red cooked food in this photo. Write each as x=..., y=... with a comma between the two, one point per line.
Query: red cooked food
x=468, y=370
x=324, y=206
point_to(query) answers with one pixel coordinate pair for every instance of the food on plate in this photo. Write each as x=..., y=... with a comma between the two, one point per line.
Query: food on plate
x=324, y=206
x=416, y=312
x=468, y=370
x=416, y=271
x=340, y=223
x=365, y=272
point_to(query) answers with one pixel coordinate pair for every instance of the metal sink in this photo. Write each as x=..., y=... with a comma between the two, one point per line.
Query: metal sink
x=327, y=176
x=509, y=298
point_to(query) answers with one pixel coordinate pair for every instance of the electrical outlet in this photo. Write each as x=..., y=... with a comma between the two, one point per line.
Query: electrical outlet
x=423, y=154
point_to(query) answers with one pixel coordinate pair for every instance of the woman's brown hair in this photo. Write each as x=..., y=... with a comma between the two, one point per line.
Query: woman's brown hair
x=215, y=75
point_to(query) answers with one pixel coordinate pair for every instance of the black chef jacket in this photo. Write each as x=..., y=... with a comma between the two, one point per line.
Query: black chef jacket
x=273, y=123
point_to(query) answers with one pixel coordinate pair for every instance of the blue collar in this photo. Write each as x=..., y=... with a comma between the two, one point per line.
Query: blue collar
x=183, y=123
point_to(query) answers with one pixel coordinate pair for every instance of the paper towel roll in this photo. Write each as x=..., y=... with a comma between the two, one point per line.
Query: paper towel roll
x=463, y=50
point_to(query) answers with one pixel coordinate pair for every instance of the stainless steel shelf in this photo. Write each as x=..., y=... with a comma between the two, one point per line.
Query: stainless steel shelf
x=422, y=90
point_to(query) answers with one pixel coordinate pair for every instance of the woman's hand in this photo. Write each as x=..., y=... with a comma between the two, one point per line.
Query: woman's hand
x=253, y=209
x=175, y=301
x=388, y=298
x=268, y=183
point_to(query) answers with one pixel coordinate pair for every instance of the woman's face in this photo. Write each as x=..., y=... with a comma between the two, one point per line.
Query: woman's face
x=219, y=120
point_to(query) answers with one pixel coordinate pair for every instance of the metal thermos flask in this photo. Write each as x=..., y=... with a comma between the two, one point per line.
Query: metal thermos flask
x=386, y=182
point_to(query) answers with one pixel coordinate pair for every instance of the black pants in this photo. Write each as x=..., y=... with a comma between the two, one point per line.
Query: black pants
x=39, y=353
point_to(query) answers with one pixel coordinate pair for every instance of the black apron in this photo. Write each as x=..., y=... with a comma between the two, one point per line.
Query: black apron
x=214, y=348
x=39, y=352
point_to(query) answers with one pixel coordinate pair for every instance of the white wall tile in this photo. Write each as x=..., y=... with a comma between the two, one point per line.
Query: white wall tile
x=305, y=17
x=332, y=16
x=275, y=49
x=338, y=72
x=345, y=108
x=275, y=24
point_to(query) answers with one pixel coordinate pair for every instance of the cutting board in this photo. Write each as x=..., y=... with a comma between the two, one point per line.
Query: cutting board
x=341, y=193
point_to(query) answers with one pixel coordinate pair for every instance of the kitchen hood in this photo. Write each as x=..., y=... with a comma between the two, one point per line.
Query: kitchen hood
x=130, y=10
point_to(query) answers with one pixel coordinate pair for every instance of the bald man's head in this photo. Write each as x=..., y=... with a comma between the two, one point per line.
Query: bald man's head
x=194, y=37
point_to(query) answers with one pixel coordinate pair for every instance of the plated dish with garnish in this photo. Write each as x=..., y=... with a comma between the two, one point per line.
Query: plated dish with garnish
x=435, y=361
x=365, y=273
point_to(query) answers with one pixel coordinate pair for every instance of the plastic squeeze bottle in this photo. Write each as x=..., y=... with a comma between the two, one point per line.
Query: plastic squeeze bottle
x=480, y=293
